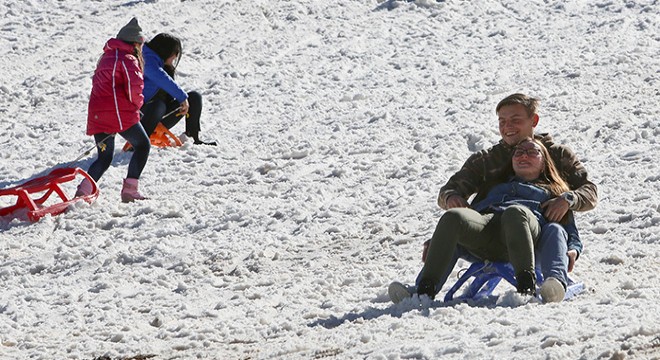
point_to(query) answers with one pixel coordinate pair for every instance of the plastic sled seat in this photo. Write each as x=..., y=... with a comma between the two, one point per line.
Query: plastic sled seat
x=487, y=275
x=161, y=137
x=42, y=188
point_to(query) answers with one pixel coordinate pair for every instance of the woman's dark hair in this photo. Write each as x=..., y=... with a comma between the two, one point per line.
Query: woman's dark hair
x=166, y=45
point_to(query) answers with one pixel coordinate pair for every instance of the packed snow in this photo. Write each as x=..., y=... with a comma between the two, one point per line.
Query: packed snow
x=337, y=124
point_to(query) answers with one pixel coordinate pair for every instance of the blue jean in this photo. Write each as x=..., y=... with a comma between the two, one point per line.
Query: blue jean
x=105, y=147
x=551, y=252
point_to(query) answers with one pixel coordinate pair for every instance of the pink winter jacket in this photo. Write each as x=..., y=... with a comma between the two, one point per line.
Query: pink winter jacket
x=116, y=99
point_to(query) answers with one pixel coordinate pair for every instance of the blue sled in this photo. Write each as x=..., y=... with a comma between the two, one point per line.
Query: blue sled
x=488, y=274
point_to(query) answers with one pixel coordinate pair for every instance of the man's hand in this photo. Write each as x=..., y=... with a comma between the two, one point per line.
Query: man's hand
x=555, y=209
x=572, y=256
x=456, y=201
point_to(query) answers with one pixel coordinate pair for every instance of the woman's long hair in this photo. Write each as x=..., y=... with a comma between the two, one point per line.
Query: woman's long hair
x=138, y=55
x=550, y=178
x=166, y=45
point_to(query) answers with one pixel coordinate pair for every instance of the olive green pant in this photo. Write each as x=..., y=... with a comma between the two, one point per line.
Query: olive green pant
x=507, y=236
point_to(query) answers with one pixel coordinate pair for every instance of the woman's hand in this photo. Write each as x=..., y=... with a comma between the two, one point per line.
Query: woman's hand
x=183, y=108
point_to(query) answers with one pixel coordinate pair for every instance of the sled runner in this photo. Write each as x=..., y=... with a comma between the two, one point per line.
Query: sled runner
x=161, y=137
x=43, y=187
x=488, y=274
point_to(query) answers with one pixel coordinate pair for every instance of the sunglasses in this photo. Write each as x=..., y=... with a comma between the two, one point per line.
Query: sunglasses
x=530, y=152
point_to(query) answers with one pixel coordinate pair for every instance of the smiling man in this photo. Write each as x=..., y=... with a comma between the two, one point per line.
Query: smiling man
x=518, y=117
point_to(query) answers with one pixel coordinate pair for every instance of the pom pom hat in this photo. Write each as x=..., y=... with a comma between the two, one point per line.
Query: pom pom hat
x=131, y=32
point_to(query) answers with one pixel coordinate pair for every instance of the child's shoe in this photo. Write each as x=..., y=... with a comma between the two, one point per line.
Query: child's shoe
x=129, y=192
x=84, y=188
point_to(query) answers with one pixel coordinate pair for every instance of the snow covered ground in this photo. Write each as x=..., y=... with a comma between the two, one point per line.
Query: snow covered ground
x=337, y=123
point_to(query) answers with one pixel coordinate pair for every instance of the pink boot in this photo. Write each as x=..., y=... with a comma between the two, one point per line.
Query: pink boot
x=129, y=192
x=85, y=188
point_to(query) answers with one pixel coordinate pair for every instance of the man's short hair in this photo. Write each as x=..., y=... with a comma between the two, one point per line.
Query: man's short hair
x=530, y=103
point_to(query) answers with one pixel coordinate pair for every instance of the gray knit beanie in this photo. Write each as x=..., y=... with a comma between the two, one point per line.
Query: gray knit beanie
x=131, y=32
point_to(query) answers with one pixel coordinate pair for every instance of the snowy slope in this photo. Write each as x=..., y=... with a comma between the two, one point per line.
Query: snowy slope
x=337, y=123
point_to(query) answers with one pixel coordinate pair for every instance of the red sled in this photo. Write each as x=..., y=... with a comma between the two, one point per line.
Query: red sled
x=44, y=187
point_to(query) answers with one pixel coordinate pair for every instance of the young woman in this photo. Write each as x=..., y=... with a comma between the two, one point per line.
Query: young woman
x=506, y=226
x=114, y=108
x=163, y=96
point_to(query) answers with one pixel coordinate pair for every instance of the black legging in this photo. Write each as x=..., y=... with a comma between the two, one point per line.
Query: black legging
x=105, y=147
x=154, y=110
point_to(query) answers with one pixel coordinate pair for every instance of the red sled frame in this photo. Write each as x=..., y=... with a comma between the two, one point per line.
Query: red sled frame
x=51, y=184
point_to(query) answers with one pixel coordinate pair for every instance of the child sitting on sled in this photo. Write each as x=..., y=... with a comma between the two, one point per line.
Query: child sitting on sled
x=165, y=101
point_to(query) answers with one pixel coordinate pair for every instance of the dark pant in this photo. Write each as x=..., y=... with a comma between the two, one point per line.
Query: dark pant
x=507, y=236
x=154, y=110
x=105, y=147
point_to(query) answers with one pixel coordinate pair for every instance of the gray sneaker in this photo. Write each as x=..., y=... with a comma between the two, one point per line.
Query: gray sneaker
x=552, y=290
x=398, y=292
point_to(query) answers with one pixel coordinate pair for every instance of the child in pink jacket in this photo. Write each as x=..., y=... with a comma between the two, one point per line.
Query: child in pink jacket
x=114, y=108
